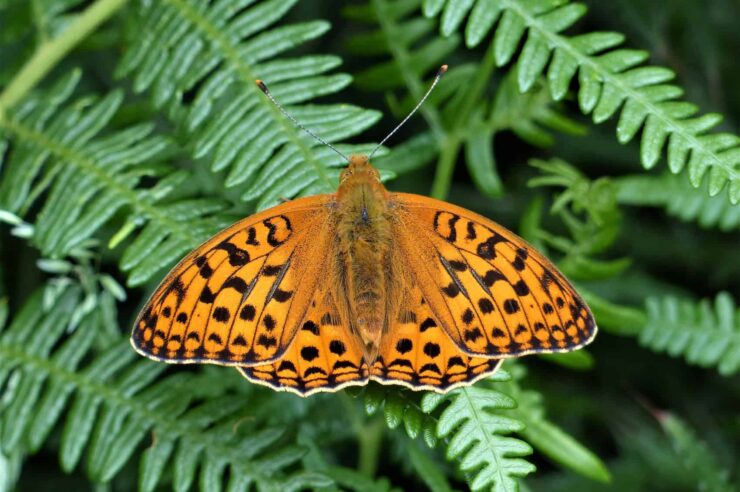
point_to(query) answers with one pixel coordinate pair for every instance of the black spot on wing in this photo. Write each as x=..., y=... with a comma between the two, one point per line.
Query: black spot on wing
x=309, y=353
x=312, y=327
x=521, y=288
x=431, y=349
x=252, y=237
x=511, y=306
x=207, y=296
x=485, y=305
x=404, y=345
x=248, y=312
x=487, y=249
x=221, y=314
x=237, y=284
x=266, y=341
x=426, y=324
x=337, y=347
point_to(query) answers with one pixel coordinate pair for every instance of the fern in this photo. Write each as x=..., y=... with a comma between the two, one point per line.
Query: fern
x=57, y=151
x=608, y=78
x=696, y=455
x=679, y=199
x=201, y=61
x=477, y=437
x=115, y=403
x=460, y=117
x=705, y=335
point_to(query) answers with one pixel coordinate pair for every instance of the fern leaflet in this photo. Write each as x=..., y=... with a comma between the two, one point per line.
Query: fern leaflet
x=705, y=334
x=679, y=199
x=201, y=60
x=116, y=402
x=608, y=78
x=477, y=436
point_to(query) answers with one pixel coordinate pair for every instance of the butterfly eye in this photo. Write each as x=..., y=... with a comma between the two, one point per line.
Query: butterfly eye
x=346, y=172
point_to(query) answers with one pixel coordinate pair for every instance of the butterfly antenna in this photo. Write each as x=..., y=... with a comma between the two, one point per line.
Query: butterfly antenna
x=263, y=88
x=440, y=72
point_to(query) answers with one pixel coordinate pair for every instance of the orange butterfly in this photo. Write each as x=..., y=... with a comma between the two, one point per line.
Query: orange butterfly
x=330, y=291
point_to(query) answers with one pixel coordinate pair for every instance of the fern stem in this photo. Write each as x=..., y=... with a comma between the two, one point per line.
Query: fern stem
x=451, y=147
x=369, y=440
x=49, y=53
x=445, y=167
x=403, y=61
x=616, y=319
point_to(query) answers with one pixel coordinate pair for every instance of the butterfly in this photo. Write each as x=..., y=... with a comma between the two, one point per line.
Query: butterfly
x=335, y=290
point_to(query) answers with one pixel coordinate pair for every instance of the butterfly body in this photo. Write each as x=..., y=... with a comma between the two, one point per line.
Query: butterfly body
x=364, y=244
x=333, y=290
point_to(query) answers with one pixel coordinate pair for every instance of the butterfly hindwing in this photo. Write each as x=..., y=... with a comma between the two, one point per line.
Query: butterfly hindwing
x=238, y=298
x=491, y=291
x=417, y=353
x=323, y=356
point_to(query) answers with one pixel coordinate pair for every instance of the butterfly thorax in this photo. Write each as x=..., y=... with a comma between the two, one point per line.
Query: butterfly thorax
x=364, y=240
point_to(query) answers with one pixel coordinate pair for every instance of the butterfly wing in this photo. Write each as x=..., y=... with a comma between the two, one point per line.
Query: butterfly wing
x=240, y=297
x=324, y=355
x=493, y=294
x=417, y=353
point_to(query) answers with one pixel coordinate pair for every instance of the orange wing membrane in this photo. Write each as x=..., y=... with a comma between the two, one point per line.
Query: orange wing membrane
x=493, y=294
x=324, y=355
x=417, y=353
x=239, y=298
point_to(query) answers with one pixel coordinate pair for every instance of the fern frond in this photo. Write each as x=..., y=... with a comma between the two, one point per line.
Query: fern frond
x=679, y=199
x=609, y=78
x=459, y=114
x=60, y=149
x=477, y=435
x=114, y=403
x=704, y=334
x=401, y=408
x=545, y=436
x=201, y=61
x=700, y=461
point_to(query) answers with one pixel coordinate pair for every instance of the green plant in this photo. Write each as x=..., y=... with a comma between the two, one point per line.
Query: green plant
x=131, y=131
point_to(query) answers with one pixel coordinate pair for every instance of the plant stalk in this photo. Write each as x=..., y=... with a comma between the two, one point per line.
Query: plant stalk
x=451, y=146
x=50, y=52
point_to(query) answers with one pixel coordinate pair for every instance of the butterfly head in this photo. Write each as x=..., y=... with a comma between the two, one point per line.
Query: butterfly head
x=359, y=167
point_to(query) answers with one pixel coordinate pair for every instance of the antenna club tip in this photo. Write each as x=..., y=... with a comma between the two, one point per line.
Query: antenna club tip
x=442, y=70
x=261, y=85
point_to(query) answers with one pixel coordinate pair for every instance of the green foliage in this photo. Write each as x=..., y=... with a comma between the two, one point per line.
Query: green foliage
x=131, y=131
x=675, y=195
x=213, y=54
x=705, y=334
x=116, y=402
x=608, y=78
x=477, y=436
x=696, y=455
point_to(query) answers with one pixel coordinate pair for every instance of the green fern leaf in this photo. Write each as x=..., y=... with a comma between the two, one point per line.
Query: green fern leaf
x=676, y=195
x=60, y=149
x=701, y=462
x=477, y=436
x=608, y=78
x=115, y=403
x=704, y=334
x=201, y=61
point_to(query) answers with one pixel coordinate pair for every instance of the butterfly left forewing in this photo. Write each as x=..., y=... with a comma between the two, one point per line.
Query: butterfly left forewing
x=492, y=292
x=238, y=298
